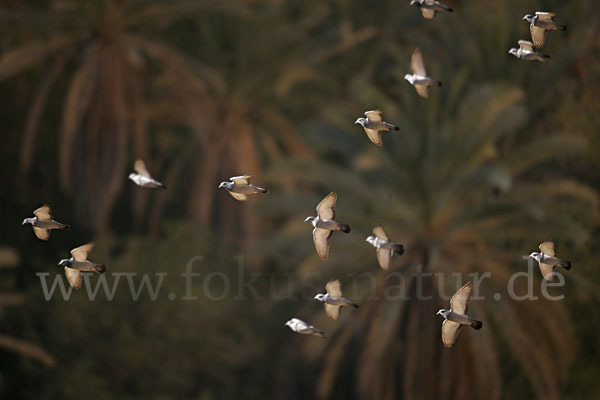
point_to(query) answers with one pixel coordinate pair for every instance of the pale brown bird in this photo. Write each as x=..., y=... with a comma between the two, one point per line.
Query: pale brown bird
x=334, y=299
x=79, y=262
x=385, y=249
x=143, y=178
x=299, y=326
x=42, y=222
x=240, y=187
x=324, y=225
x=548, y=261
x=456, y=316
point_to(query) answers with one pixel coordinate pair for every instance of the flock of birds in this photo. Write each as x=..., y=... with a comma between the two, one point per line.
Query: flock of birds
x=324, y=223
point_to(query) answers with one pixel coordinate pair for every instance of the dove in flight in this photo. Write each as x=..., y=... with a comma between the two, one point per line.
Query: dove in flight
x=527, y=52
x=299, y=326
x=79, y=262
x=384, y=247
x=334, y=299
x=548, y=261
x=419, y=78
x=374, y=124
x=456, y=316
x=142, y=177
x=429, y=8
x=540, y=24
x=324, y=225
x=240, y=187
x=43, y=223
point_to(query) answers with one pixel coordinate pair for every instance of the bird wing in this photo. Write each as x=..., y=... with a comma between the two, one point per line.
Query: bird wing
x=450, y=330
x=538, y=35
x=374, y=136
x=547, y=271
x=416, y=63
x=380, y=233
x=545, y=16
x=43, y=234
x=525, y=45
x=334, y=288
x=240, y=180
x=140, y=167
x=44, y=213
x=238, y=196
x=384, y=256
x=547, y=248
x=332, y=311
x=459, y=303
x=81, y=253
x=326, y=208
x=427, y=13
x=423, y=90
x=374, y=116
x=321, y=238
x=73, y=277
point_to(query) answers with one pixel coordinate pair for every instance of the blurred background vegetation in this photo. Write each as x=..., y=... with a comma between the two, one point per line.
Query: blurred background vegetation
x=504, y=156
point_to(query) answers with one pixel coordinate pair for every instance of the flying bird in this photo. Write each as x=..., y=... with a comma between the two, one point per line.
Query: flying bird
x=374, y=125
x=456, y=316
x=334, y=299
x=299, y=326
x=239, y=187
x=324, y=225
x=540, y=24
x=548, y=261
x=385, y=247
x=79, y=262
x=142, y=177
x=419, y=78
x=43, y=223
x=527, y=52
x=429, y=8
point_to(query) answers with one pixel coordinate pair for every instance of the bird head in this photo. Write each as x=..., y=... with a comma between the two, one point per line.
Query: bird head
x=309, y=219
x=131, y=176
x=65, y=263
x=415, y=3
x=320, y=297
x=535, y=256
x=28, y=221
x=290, y=322
x=528, y=17
x=226, y=185
x=408, y=77
x=442, y=312
x=513, y=51
x=361, y=121
x=370, y=239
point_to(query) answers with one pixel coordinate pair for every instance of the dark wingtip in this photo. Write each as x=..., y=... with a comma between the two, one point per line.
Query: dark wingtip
x=399, y=249
x=476, y=325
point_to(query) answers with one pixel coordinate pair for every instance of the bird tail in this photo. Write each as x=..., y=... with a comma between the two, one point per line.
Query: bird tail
x=399, y=249
x=162, y=186
x=561, y=27
x=449, y=9
x=391, y=127
x=352, y=304
x=65, y=227
x=476, y=324
x=545, y=57
x=100, y=269
x=345, y=228
x=259, y=189
x=437, y=83
x=566, y=265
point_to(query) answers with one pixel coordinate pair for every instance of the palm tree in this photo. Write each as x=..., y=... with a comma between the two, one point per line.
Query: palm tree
x=457, y=191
